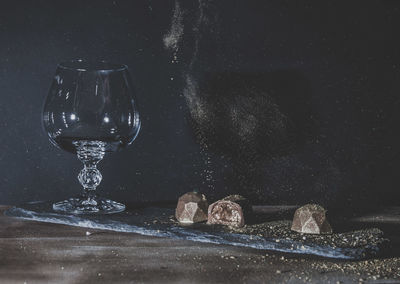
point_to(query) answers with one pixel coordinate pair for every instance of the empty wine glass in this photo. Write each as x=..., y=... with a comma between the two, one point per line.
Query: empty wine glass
x=90, y=111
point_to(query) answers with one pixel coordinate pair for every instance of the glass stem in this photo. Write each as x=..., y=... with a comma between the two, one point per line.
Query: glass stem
x=90, y=153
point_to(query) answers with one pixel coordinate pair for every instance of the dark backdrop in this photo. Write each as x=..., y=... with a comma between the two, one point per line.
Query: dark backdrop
x=282, y=101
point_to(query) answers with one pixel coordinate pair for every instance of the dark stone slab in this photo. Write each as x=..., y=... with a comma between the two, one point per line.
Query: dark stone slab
x=160, y=222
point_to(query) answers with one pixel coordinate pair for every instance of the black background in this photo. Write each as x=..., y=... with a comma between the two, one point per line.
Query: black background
x=332, y=69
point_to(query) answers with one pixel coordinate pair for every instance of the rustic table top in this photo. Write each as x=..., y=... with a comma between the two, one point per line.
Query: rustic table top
x=34, y=252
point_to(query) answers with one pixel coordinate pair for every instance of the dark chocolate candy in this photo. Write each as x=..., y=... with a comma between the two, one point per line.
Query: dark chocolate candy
x=229, y=211
x=191, y=208
x=311, y=219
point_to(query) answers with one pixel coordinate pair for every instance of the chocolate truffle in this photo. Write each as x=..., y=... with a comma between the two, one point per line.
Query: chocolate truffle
x=229, y=211
x=191, y=208
x=311, y=219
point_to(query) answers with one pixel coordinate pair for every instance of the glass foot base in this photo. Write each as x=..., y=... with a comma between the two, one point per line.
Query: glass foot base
x=79, y=205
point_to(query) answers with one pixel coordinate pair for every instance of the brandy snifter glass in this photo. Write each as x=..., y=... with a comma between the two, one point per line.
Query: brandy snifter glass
x=91, y=111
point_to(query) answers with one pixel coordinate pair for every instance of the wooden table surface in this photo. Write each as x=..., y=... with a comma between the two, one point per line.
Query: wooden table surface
x=34, y=252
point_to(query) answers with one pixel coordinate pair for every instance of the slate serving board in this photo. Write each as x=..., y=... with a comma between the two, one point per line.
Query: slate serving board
x=159, y=222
